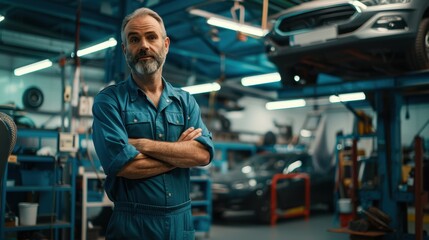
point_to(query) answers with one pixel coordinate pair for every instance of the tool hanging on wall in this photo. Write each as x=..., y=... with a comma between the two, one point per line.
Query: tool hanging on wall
x=240, y=19
x=32, y=98
x=76, y=79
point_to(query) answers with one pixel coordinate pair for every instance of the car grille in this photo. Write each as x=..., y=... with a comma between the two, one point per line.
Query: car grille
x=316, y=18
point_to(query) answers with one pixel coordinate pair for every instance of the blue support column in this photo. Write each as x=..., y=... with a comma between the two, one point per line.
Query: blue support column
x=388, y=107
x=396, y=101
x=115, y=65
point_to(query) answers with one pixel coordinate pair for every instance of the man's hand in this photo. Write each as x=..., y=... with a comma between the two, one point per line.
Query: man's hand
x=143, y=166
x=190, y=134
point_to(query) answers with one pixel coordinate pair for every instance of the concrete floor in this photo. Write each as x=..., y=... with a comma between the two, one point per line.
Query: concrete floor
x=243, y=226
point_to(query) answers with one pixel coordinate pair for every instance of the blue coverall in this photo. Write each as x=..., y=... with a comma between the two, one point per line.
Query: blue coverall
x=149, y=208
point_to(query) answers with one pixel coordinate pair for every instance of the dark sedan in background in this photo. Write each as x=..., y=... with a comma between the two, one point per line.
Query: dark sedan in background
x=349, y=39
x=247, y=186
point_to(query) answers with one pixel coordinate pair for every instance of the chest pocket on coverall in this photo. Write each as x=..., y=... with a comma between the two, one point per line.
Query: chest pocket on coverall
x=138, y=124
x=176, y=124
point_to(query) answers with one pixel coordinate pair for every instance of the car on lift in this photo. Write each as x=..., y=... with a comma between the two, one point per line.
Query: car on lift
x=349, y=39
x=248, y=185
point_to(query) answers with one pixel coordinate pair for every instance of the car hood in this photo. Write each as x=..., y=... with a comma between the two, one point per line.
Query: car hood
x=311, y=5
x=234, y=176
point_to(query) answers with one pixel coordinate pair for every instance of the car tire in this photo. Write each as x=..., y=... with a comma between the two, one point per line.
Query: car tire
x=32, y=98
x=262, y=210
x=217, y=215
x=418, y=55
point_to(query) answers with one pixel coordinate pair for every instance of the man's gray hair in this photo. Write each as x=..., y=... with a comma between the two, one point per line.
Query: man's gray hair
x=141, y=12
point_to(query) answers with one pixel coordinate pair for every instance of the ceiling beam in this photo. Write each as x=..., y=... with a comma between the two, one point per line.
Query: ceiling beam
x=175, y=6
x=401, y=83
x=214, y=58
x=69, y=13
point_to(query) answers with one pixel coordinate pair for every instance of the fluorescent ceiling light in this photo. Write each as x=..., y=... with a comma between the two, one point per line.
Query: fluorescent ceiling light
x=47, y=63
x=347, y=97
x=239, y=27
x=109, y=43
x=261, y=79
x=1, y=17
x=202, y=88
x=32, y=67
x=285, y=104
x=220, y=21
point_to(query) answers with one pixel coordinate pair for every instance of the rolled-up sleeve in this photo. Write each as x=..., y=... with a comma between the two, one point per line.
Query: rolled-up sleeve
x=206, y=140
x=195, y=120
x=110, y=136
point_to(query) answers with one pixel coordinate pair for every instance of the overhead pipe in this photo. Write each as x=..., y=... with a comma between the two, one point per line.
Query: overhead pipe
x=264, y=15
x=76, y=79
x=62, y=11
x=36, y=42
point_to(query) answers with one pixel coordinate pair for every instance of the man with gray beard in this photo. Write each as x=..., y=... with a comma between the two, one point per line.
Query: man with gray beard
x=147, y=134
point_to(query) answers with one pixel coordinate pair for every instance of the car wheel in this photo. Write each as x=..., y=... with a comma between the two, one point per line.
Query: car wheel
x=217, y=215
x=262, y=210
x=419, y=55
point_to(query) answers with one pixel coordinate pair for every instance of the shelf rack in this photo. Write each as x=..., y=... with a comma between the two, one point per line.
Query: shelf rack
x=201, y=203
x=105, y=202
x=38, y=139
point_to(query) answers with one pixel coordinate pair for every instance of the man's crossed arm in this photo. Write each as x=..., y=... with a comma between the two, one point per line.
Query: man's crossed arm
x=158, y=157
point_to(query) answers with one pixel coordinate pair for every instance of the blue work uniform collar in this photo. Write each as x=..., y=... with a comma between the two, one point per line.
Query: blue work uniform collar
x=134, y=90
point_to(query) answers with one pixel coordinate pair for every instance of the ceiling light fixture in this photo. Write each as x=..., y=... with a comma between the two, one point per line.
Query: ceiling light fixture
x=48, y=63
x=32, y=67
x=285, y=104
x=261, y=79
x=202, y=88
x=347, y=97
x=243, y=28
x=223, y=22
x=1, y=17
x=109, y=43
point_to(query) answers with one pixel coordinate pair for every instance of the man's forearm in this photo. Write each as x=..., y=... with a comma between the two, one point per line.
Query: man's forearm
x=179, y=154
x=144, y=167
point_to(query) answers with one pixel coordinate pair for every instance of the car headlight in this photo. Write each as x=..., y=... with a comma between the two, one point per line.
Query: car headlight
x=248, y=184
x=382, y=2
x=219, y=188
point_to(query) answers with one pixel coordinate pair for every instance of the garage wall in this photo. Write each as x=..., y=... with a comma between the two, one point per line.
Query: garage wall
x=48, y=81
x=13, y=88
x=257, y=119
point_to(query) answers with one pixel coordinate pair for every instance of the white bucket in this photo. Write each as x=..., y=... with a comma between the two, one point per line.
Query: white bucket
x=28, y=213
x=345, y=205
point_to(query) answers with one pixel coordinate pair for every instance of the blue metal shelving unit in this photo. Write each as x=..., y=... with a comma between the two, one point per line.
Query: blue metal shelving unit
x=202, y=206
x=59, y=189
